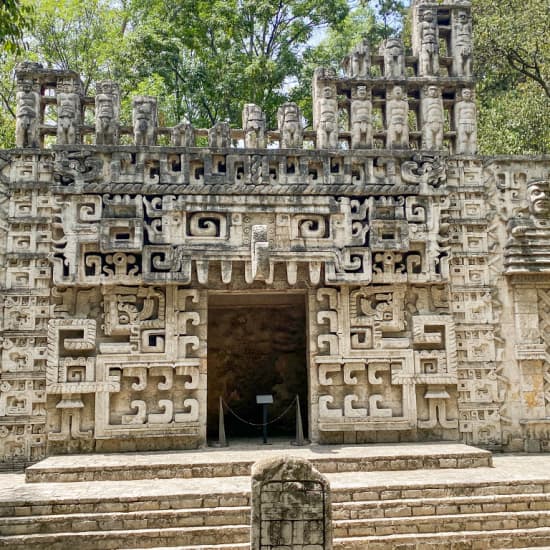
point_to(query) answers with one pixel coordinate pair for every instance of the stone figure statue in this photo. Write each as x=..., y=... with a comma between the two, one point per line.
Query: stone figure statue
x=361, y=119
x=429, y=43
x=357, y=63
x=289, y=120
x=394, y=58
x=432, y=118
x=465, y=124
x=27, y=115
x=183, y=134
x=462, y=44
x=253, y=126
x=327, y=129
x=538, y=197
x=397, y=111
x=528, y=246
x=219, y=135
x=68, y=112
x=145, y=120
x=107, y=108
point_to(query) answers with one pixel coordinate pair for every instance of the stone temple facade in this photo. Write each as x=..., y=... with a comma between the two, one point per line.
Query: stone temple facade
x=422, y=270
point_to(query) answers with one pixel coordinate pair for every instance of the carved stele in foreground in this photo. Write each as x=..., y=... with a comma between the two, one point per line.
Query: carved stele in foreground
x=291, y=506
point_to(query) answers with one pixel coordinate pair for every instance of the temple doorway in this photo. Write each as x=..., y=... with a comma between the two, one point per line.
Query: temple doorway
x=256, y=345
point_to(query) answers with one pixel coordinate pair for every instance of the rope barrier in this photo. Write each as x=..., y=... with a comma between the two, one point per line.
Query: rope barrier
x=259, y=424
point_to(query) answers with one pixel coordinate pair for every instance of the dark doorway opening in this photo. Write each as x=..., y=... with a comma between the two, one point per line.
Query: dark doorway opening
x=256, y=345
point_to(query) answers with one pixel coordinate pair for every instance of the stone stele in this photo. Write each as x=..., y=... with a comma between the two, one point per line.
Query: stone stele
x=290, y=506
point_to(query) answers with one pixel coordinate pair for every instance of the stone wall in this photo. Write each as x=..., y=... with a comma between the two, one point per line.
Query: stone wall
x=425, y=267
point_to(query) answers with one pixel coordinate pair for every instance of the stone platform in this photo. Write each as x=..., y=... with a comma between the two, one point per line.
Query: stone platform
x=504, y=506
x=238, y=460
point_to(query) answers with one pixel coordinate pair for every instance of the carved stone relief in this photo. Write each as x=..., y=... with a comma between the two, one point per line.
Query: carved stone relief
x=426, y=267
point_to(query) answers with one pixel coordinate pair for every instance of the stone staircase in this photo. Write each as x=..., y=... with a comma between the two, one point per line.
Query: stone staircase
x=506, y=506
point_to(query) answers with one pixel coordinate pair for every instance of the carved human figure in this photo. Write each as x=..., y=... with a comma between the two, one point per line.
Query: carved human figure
x=462, y=44
x=429, y=43
x=394, y=58
x=289, y=120
x=432, y=118
x=219, y=135
x=538, y=196
x=68, y=112
x=145, y=120
x=27, y=121
x=397, y=111
x=253, y=126
x=327, y=129
x=107, y=109
x=183, y=135
x=361, y=119
x=357, y=63
x=465, y=124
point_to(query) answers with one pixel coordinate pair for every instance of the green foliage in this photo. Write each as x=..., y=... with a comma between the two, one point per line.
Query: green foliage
x=515, y=122
x=512, y=55
x=86, y=37
x=15, y=19
x=215, y=56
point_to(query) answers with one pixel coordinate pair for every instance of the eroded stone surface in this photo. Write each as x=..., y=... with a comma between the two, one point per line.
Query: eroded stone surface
x=425, y=268
x=291, y=506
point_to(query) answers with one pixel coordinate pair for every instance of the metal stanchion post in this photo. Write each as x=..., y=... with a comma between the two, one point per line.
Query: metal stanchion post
x=222, y=441
x=264, y=401
x=300, y=441
x=264, y=420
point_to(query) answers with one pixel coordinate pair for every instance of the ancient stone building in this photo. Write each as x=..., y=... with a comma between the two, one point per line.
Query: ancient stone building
x=376, y=265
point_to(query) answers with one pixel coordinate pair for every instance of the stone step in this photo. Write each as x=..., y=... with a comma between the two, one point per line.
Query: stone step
x=492, y=496
x=208, y=463
x=39, y=507
x=137, y=538
x=441, y=506
x=441, y=524
x=238, y=512
x=440, y=490
x=466, y=540
x=151, y=519
x=174, y=538
x=243, y=546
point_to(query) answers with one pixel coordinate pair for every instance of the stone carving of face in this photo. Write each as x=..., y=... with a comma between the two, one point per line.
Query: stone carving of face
x=538, y=194
x=463, y=18
x=255, y=115
x=467, y=94
x=327, y=92
x=432, y=91
x=144, y=111
x=361, y=92
x=26, y=86
x=428, y=16
x=397, y=92
x=291, y=113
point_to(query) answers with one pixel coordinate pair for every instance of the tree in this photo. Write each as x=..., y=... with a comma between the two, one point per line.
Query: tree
x=15, y=19
x=86, y=37
x=214, y=56
x=512, y=54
